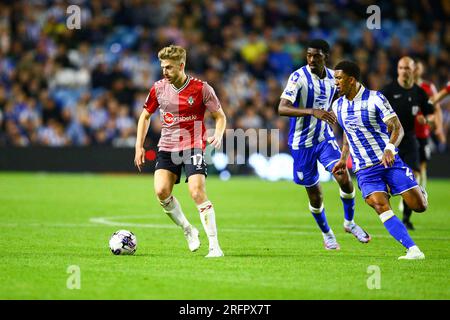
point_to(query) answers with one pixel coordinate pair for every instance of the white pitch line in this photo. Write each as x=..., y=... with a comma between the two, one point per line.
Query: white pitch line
x=106, y=221
x=112, y=220
x=274, y=230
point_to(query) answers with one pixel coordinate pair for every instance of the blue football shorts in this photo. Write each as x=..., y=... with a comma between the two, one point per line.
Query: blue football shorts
x=398, y=178
x=305, y=161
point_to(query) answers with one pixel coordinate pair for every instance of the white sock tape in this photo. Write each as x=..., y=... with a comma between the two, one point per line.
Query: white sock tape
x=316, y=210
x=385, y=216
x=347, y=195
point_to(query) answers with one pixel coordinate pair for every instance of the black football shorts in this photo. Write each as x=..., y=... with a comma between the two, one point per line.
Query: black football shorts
x=192, y=160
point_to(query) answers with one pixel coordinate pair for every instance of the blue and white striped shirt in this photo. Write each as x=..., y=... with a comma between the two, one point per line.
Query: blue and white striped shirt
x=306, y=90
x=363, y=120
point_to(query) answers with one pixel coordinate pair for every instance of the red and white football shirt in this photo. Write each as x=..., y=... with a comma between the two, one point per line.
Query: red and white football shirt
x=182, y=112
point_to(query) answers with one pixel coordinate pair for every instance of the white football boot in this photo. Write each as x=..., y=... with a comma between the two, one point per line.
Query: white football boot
x=358, y=232
x=215, y=252
x=413, y=253
x=330, y=242
x=191, y=235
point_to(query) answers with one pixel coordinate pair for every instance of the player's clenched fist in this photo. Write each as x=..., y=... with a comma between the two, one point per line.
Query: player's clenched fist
x=139, y=158
x=215, y=141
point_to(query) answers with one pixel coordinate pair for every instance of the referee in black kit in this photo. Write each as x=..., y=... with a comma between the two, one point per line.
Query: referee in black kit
x=407, y=98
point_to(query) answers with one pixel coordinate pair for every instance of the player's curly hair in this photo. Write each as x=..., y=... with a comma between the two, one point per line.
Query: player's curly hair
x=350, y=68
x=173, y=52
x=319, y=44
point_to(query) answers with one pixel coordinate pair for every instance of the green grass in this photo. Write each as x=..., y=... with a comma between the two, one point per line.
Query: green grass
x=273, y=250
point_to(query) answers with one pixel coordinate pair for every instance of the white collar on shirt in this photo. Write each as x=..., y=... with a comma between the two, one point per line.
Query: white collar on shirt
x=183, y=86
x=358, y=95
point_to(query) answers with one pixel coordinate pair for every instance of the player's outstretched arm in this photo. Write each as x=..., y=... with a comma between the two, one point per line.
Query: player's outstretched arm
x=221, y=124
x=439, y=123
x=142, y=128
x=441, y=94
x=396, y=133
x=438, y=117
x=285, y=108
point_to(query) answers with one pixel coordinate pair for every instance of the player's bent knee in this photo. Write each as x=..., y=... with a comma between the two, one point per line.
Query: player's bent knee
x=421, y=207
x=198, y=194
x=198, y=197
x=416, y=201
x=162, y=193
x=379, y=206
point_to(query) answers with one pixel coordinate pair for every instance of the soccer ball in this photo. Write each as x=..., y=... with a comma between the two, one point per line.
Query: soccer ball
x=123, y=242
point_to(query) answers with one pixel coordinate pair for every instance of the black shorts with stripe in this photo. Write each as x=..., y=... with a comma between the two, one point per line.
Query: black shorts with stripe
x=192, y=160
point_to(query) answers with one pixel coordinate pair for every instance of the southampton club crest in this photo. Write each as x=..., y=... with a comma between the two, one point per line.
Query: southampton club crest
x=190, y=100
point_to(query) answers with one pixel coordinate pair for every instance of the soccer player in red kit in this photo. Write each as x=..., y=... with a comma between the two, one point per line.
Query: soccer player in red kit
x=422, y=124
x=182, y=101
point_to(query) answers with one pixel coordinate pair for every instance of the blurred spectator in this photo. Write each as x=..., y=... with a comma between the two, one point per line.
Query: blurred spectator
x=82, y=87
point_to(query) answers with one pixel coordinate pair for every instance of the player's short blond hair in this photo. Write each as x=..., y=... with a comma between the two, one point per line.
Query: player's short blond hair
x=173, y=52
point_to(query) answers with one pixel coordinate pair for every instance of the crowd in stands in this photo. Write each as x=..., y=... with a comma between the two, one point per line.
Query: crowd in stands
x=80, y=87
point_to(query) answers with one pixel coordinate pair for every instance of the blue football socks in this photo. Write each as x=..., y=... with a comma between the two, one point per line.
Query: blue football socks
x=348, y=200
x=396, y=228
x=321, y=219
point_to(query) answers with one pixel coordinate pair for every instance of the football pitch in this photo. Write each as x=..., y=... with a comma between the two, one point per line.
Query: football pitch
x=53, y=224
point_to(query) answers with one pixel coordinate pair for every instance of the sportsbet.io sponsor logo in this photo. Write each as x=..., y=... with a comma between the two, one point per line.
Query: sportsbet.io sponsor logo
x=168, y=118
